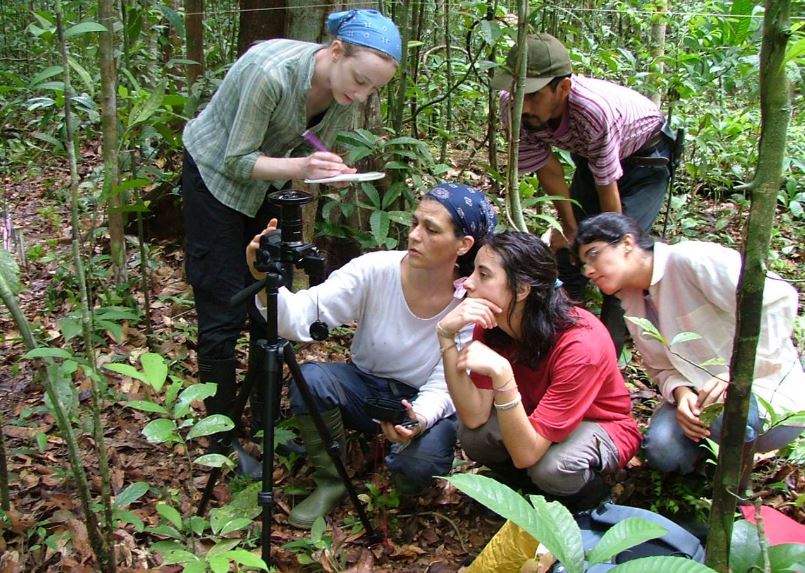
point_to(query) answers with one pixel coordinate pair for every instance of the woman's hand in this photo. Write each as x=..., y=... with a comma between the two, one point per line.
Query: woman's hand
x=471, y=311
x=254, y=246
x=481, y=359
x=400, y=434
x=323, y=164
x=712, y=391
x=687, y=414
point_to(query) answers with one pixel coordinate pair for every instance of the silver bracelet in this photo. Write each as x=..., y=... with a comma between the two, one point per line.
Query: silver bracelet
x=508, y=405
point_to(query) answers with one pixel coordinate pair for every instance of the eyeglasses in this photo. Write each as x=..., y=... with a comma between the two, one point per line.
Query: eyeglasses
x=593, y=254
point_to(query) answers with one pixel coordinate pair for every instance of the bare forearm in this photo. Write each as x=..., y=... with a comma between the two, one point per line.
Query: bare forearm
x=609, y=198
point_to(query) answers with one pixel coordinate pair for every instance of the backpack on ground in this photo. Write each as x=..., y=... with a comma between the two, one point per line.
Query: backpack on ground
x=594, y=523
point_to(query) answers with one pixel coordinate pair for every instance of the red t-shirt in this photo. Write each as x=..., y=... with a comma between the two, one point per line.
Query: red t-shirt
x=578, y=380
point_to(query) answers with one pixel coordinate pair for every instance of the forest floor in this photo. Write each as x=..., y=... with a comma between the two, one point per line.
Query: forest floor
x=441, y=530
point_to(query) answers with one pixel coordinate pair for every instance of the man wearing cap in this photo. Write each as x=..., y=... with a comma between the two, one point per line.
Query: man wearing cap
x=618, y=142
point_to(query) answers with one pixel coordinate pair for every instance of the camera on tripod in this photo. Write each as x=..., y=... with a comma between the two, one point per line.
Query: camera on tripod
x=283, y=250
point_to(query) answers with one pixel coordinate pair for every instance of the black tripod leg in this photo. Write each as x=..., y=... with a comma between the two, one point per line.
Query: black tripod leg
x=265, y=498
x=373, y=536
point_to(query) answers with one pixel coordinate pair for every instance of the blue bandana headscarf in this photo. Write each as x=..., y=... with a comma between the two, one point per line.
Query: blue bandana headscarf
x=368, y=28
x=468, y=207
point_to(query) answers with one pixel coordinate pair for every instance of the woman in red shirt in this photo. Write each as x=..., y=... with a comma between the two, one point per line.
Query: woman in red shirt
x=538, y=390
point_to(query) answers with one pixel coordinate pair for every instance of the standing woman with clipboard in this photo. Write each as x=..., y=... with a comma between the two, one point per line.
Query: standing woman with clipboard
x=249, y=139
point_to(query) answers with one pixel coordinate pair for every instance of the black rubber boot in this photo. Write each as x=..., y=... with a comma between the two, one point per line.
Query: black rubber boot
x=747, y=465
x=330, y=489
x=222, y=372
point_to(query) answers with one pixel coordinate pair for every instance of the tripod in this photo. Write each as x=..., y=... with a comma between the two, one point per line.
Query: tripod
x=278, y=258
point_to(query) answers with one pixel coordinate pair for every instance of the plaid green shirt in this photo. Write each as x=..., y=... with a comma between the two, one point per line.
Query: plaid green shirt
x=259, y=109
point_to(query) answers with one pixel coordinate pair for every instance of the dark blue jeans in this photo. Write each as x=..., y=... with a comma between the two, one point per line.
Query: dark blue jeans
x=215, y=261
x=642, y=189
x=344, y=386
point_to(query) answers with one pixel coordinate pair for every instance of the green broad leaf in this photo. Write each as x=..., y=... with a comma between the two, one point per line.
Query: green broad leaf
x=84, y=28
x=740, y=26
x=143, y=112
x=47, y=138
x=628, y=533
x=165, y=546
x=198, y=524
x=795, y=52
x=165, y=531
x=171, y=514
x=196, y=567
x=155, y=370
x=116, y=313
x=372, y=194
x=397, y=165
x=684, y=337
x=787, y=557
x=130, y=494
x=551, y=524
x=490, y=31
x=130, y=517
x=114, y=329
x=178, y=557
x=48, y=353
x=235, y=525
x=127, y=370
x=214, y=461
x=210, y=425
x=649, y=329
x=146, y=406
x=404, y=140
x=198, y=392
x=83, y=74
x=391, y=196
x=558, y=531
x=222, y=547
x=745, y=546
x=41, y=441
x=161, y=431
x=710, y=413
x=173, y=390
x=246, y=559
x=48, y=72
x=662, y=564
x=9, y=273
x=218, y=564
x=379, y=223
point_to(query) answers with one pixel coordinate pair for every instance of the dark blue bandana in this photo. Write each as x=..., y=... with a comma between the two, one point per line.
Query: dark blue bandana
x=368, y=28
x=469, y=208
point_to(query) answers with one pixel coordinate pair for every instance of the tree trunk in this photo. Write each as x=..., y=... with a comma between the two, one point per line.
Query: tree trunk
x=261, y=20
x=514, y=211
x=492, y=101
x=656, y=68
x=194, y=40
x=775, y=108
x=398, y=100
x=111, y=151
x=101, y=545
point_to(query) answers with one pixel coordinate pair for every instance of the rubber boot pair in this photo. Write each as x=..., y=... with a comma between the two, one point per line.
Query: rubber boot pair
x=330, y=489
x=222, y=373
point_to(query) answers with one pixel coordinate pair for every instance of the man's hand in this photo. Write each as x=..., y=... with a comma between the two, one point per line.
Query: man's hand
x=254, y=246
x=714, y=390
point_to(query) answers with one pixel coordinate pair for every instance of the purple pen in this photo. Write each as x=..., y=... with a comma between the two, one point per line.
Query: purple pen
x=311, y=138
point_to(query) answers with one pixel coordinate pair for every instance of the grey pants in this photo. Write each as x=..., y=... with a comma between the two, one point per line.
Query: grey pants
x=564, y=469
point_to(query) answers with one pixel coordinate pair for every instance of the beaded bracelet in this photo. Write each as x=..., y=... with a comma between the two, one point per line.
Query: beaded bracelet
x=504, y=387
x=508, y=405
x=443, y=333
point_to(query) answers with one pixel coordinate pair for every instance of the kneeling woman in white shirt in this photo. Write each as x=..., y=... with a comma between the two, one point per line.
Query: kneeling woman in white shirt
x=691, y=287
x=397, y=298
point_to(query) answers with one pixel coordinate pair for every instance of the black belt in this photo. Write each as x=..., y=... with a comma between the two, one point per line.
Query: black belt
x=651, y=145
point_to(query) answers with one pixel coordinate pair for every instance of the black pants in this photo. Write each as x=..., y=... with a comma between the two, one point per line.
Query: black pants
x=642, y=188
x=215, y=260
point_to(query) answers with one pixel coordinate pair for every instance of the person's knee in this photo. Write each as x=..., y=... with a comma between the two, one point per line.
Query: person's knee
x=317, y=379
x=555, y=477
x=479, y=444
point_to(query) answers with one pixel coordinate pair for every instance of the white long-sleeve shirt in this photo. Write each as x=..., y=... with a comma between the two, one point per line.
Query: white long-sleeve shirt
x=693, y=288
x=390, y=341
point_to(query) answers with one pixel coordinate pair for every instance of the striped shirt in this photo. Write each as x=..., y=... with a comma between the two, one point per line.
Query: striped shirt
x=259, y=109
x=603, y=122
